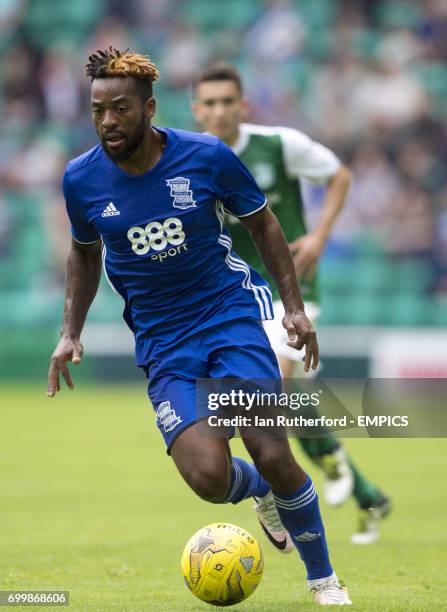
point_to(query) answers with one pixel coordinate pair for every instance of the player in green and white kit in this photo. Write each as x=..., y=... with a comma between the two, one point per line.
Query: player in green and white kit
x=279, y=158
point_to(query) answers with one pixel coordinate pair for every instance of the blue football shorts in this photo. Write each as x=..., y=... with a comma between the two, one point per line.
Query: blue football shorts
x=232, y=349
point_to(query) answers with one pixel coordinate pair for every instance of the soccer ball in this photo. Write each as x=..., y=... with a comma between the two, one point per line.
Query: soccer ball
x=222, y=564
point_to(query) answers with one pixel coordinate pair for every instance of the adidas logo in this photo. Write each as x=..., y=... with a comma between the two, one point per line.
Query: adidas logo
x=307, y=536
x=110, y=210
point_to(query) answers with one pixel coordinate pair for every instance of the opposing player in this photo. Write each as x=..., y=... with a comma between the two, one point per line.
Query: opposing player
x=279, y=158
x=153, y=199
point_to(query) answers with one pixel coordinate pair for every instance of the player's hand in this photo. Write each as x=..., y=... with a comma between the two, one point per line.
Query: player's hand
x=306, y=252
x=68, y=349
x=302, y=333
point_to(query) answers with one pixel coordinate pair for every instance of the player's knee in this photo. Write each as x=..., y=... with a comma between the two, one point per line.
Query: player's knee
x=211, y=483
x=275, y=463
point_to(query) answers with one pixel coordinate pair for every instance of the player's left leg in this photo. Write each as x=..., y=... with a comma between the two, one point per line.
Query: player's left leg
x=297, y=503
x=203, y=458
x=325, y=451
x=245, y=352
x=206, y=465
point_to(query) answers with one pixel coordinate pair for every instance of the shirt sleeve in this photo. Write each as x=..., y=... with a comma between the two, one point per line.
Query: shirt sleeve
x=82, y=231
x=234, y=184
x=307, y=159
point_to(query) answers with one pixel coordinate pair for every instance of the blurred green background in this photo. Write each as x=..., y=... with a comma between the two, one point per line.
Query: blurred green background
x=367, y=78
x=89, y=502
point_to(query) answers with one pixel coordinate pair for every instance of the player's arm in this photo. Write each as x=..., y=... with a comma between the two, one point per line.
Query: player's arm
x=274, y=251
x=305, y=158
x=241, y=196
x=83, y=274
x=308, y=249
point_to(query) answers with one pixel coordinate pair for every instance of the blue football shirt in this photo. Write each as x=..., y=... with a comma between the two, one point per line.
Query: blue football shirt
x=165, y=248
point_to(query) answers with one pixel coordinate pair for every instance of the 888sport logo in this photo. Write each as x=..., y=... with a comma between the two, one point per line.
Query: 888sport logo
x=156, y=236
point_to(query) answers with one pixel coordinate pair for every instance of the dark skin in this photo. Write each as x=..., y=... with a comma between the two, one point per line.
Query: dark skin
x=118, y=114
x=123, y=124
x=274, y=251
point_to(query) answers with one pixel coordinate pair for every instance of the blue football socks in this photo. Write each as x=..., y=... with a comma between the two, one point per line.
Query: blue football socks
x=300, y=515
x=246, y=481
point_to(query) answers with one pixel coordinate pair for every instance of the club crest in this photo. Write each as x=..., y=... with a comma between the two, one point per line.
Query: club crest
x=265, y=175
x=182, y=194
x=167, y=417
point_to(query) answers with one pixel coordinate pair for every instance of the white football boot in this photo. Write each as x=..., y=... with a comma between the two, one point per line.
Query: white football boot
x=271, y=524
x=329, y=592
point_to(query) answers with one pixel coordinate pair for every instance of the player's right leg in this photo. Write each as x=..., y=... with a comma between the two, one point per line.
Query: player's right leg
x=203, y=459
x=298, y=508
x=206, y=465
x=201, y=455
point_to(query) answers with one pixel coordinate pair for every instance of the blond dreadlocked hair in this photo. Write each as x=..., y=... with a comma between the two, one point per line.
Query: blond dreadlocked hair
x=114, y=63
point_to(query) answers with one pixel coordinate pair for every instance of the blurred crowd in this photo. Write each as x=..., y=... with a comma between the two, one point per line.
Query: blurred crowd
x=366, y=77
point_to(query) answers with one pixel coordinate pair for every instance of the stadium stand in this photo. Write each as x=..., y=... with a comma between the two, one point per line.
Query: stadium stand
x=374, y=91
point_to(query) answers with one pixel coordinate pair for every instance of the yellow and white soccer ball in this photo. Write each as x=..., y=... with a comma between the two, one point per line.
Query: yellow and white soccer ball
x=222, y=564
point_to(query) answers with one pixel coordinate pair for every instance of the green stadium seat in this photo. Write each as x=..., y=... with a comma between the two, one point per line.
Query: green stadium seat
x=374, y=275
x=334, y=309
x=440, y=311
x=213, y=15
x=364, y=309
x=19, y=306
x=413, y=275
x=367, y=309
x=410, y=309
x=318, y=13
x=50, y=22
x=336, y=275
x=433, y=77
x=175, y=108
x=399, y=14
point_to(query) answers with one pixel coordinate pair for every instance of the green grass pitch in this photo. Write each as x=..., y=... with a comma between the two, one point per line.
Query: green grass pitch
x=91, y=503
